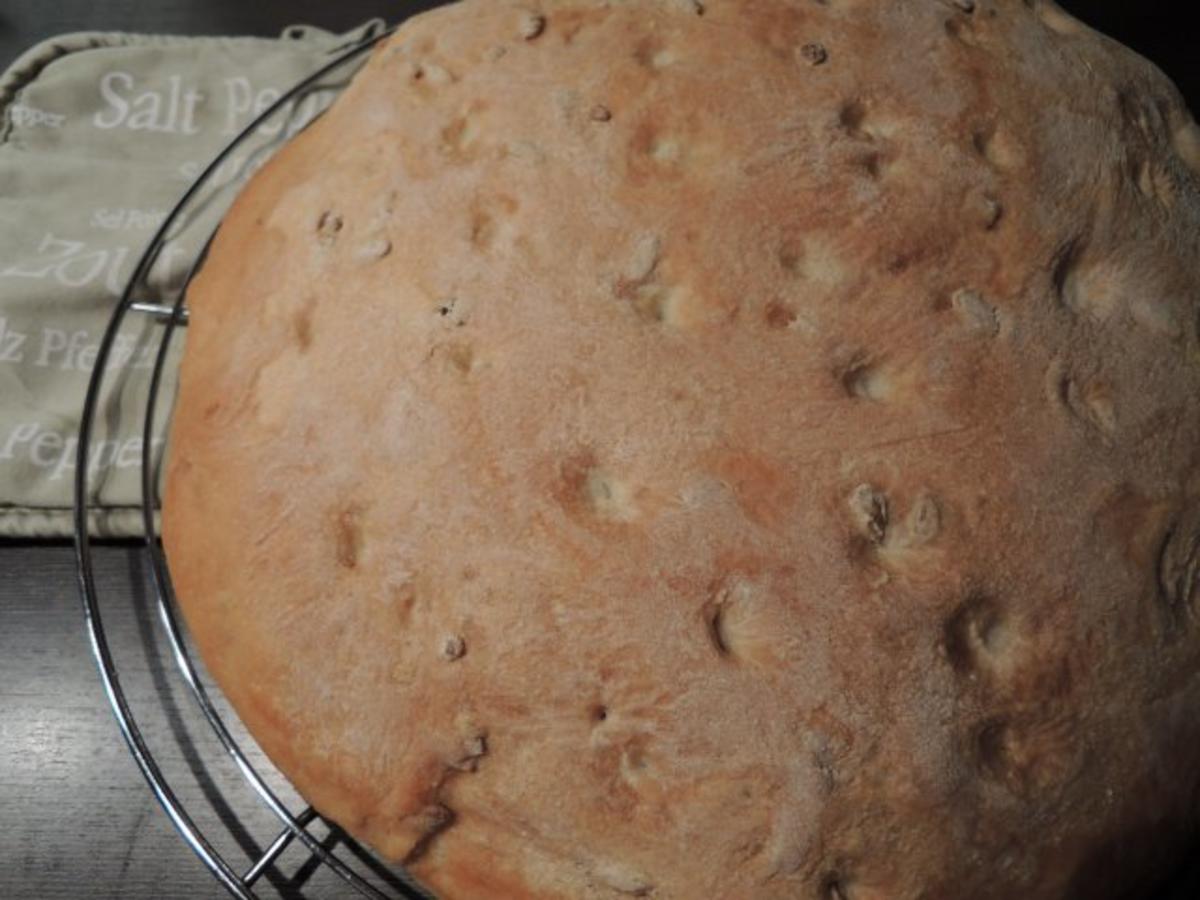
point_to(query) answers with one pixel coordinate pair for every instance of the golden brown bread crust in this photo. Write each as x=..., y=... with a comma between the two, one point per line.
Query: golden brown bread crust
x=723, y=449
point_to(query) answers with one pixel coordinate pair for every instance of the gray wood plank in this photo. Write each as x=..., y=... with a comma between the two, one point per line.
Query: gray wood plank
x=76, y=817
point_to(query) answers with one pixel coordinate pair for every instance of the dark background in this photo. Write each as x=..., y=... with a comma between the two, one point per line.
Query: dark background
x=1157, y=29
x=75, y=817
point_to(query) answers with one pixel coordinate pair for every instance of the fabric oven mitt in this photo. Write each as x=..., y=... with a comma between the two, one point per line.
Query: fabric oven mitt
x=100, y=134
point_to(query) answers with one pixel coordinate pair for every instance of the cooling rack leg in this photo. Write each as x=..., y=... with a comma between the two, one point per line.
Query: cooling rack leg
x=277, y=846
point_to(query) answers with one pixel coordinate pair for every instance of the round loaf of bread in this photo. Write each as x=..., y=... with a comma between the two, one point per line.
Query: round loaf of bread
x=712, y=449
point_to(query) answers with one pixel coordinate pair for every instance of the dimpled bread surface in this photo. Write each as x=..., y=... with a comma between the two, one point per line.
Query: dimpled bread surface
x=716, y=450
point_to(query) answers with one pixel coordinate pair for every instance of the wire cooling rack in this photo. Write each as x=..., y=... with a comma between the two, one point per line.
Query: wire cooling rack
x=260, y=788
x=354, y=868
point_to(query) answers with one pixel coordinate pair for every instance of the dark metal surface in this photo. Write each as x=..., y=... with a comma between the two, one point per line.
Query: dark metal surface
x=76, y=818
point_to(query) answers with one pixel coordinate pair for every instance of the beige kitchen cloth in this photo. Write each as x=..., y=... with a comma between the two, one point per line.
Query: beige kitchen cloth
x=100, y=135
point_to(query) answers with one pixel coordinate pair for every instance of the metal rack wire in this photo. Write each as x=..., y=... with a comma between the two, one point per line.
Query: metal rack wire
x=363, y=875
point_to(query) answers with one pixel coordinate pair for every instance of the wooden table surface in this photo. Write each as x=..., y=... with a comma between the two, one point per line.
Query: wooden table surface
x=76, y=817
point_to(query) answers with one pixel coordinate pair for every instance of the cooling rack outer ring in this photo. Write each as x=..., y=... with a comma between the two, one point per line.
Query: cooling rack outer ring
x=173, y=315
